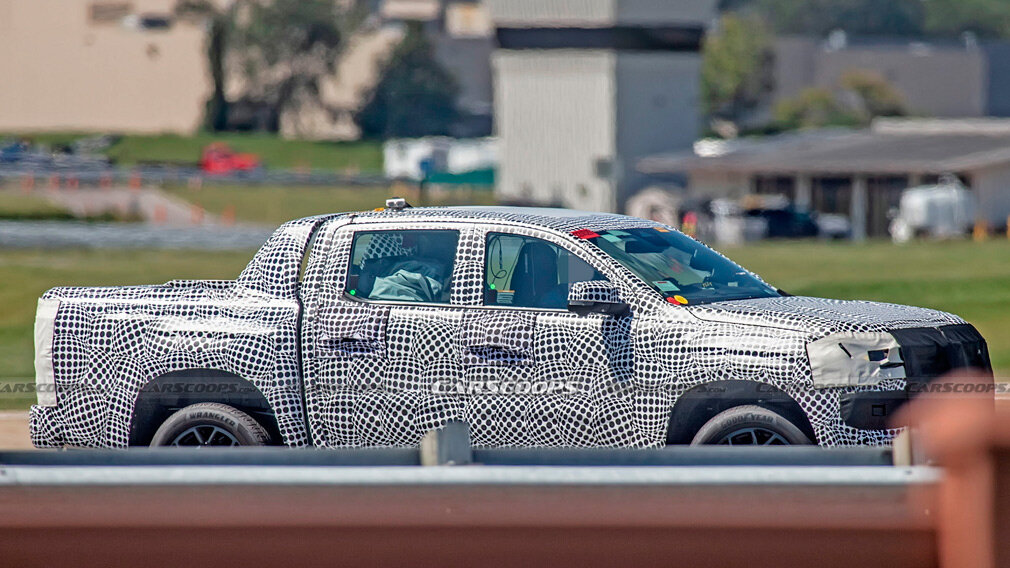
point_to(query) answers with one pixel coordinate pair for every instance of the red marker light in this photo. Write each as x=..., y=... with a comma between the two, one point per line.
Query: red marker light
x=584, y=234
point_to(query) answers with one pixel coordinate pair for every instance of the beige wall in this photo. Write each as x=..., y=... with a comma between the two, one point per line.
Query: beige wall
x=59, y=71
x=992, y=187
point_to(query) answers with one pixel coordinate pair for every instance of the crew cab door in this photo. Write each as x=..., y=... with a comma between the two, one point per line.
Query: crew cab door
x=536, y=373
x=380, y=330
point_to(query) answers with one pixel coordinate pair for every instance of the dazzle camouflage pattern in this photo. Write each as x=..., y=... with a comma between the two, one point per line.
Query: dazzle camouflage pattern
x=339, y=371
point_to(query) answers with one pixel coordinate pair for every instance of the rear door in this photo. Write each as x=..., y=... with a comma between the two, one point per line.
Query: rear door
x=380, y=333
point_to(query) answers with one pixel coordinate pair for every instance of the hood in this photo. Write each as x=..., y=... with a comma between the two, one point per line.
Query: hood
x=821, y=316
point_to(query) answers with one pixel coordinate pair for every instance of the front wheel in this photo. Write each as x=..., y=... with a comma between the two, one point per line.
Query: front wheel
x=210, y=424
x=749, y=426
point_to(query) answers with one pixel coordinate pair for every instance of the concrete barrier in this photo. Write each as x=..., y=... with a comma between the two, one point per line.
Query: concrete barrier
x=715, y=507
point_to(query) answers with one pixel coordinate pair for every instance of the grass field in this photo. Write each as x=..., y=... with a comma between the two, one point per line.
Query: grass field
x=27, y=274
x=969, y=279
x=16, y=205
x=972, y=280
x=273, y=150
x=274, y=205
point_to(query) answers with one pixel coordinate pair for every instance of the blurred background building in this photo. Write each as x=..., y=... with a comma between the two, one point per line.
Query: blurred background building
x=610, y=105
x=584, y=89
x=949, y=78
x=100, y=66
x=141, y=66
x=861, y=174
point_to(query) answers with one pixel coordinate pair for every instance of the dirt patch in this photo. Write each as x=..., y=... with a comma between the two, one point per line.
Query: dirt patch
x=14, y=431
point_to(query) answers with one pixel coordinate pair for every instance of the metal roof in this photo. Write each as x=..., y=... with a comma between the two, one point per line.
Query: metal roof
x=558, y=219
x=834, y=151
x=599, y=13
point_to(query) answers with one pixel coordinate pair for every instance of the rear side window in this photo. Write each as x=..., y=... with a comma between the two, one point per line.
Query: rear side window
x=527, y=272
x=402, y=266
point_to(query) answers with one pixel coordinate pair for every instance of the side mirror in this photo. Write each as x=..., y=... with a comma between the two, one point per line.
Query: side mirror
x=596, y=296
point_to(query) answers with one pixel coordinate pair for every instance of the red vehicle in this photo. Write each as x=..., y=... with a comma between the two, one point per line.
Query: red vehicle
x=219, y=158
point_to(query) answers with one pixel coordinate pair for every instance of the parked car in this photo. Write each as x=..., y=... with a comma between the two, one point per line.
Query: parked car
x=942, y=211
x=538, y=327
x=219, y=158
x=12, y=152
x=759, y=217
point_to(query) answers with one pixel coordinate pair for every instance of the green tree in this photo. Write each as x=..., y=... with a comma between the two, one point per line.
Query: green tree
x=415, y=97
x=873, y=95
x=859, y=97
x=814, y=107
x=279, y=50
x=218, y=21
x=987, y=18
x=736, y=68
x=284, y=49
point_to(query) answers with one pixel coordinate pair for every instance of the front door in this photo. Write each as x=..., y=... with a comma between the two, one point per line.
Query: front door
x=535, y=373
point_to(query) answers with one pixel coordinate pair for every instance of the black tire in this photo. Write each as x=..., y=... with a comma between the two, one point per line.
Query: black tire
x=210, y=424
x=749, y=426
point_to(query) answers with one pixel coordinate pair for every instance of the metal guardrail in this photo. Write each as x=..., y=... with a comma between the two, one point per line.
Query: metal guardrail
x=545, y=476
x=450, y=445
x=104, y=175
x=480, y=515
x=279, y=466
x=388, y=506
x=752, y=507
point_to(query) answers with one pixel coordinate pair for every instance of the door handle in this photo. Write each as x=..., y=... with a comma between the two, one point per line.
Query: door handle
x=350, y=344
x=497, y=352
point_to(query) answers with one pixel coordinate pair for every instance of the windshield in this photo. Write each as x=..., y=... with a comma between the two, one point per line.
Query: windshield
x=681, y=269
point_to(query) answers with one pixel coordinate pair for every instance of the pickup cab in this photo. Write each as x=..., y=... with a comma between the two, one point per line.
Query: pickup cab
x=537, y=327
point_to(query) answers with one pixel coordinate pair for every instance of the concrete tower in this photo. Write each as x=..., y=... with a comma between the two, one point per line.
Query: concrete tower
x=584, y=88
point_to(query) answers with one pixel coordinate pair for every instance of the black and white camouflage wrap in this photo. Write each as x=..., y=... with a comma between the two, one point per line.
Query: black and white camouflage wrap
x=382, y=374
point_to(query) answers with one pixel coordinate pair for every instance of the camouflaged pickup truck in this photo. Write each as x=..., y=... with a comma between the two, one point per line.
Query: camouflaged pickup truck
x=538, y=327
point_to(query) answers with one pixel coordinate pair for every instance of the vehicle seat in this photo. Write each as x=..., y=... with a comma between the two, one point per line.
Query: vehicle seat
x=535, y=278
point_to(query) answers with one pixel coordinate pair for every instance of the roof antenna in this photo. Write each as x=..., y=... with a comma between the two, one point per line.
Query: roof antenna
x=397, y=204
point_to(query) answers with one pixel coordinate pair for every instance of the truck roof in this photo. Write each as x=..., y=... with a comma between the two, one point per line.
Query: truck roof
x=552, y=218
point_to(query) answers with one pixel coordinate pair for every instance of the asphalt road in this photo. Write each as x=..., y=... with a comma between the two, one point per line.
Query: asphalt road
x=59, y=234
x=14, y=426
x=14, y=430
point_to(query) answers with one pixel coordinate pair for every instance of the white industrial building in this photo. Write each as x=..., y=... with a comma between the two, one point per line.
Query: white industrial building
x=586, y=88
x=859, y=174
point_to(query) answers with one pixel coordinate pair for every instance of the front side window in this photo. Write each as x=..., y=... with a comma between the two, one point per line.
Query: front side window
x=527, y=272
x=402, y=266
x=679, y=267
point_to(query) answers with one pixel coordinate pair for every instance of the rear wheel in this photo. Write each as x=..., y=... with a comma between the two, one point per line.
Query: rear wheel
x=210, y=424
x=749, y=426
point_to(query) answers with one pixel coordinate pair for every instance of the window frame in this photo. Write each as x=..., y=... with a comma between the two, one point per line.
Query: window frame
x=511, y=232
x=361, y=229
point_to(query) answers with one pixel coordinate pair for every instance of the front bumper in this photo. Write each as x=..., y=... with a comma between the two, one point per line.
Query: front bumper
x=928, y=353
x=871, y=410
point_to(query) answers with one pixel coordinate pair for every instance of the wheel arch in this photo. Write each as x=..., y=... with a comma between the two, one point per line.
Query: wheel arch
x=700, y=404
x=165, y=394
